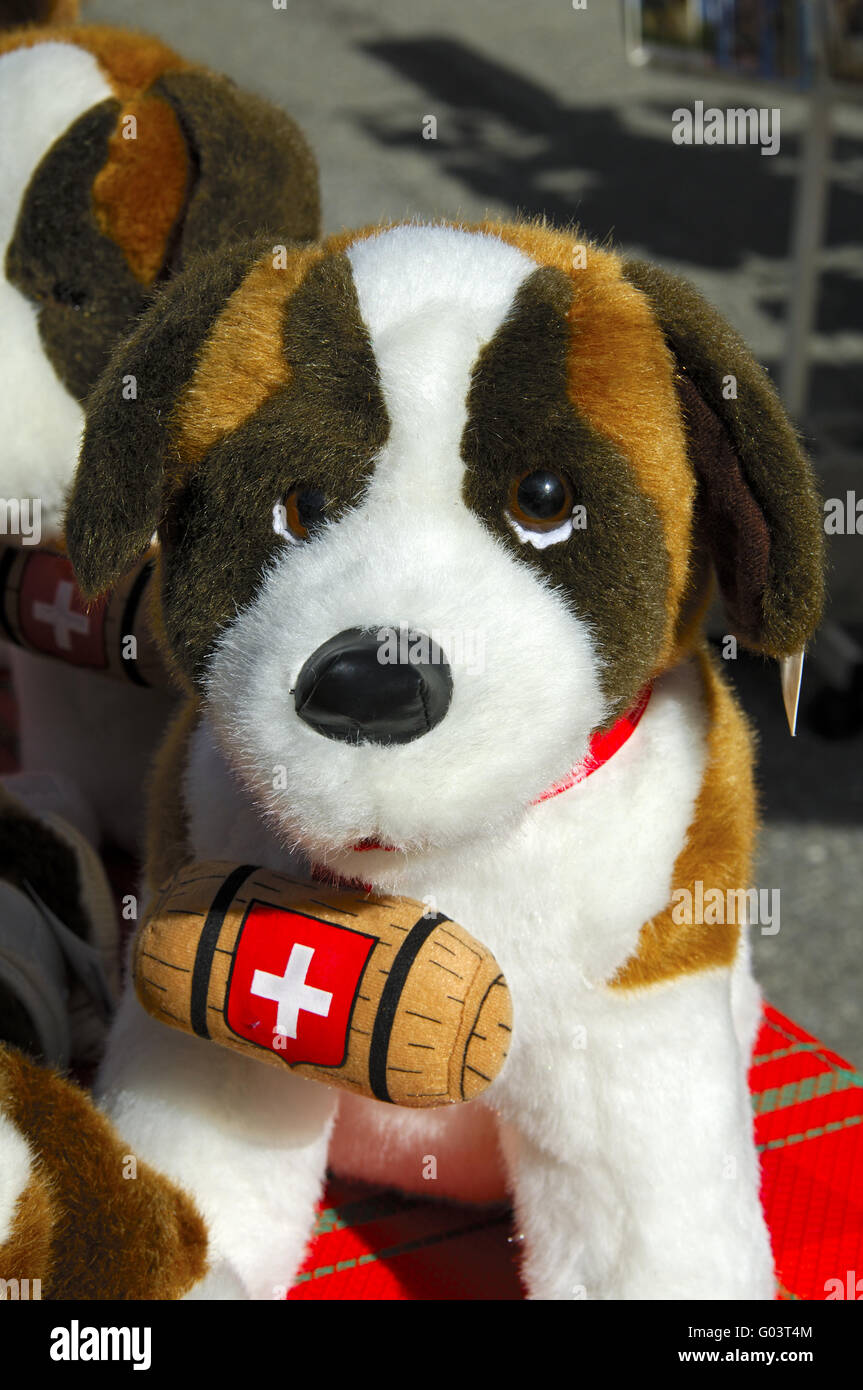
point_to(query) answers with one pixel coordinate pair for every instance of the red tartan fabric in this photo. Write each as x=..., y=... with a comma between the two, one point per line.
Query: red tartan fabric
x=808, y=1106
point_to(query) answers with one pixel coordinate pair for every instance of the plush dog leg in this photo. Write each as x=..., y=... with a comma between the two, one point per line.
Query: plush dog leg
x=247, y=1141
x=634, y=1170
x=77, y=1211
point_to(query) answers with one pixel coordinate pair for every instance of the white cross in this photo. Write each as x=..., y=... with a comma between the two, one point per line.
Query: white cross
x=59, y=614
x=291, y=992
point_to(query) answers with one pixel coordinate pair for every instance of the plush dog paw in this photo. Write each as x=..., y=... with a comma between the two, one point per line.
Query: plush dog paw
x=78, y=1211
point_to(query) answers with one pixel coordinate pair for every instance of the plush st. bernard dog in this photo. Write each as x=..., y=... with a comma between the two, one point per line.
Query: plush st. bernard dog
x=120, y=162
x=522, y=452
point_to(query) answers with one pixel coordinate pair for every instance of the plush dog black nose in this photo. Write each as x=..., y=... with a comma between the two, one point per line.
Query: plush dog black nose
x=366, y=687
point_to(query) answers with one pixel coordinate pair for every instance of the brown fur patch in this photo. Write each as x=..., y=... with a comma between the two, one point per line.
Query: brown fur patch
x=322, y=429
x=760, y=513
x=27, y=1254
x=696, y=601
x=116, y=499
x=113, y=1237
x=718, y=849
x=84, y=292
x=254, y=168
x=243, y=360
x=520, y=417
x=637, y=409
x=139, y=194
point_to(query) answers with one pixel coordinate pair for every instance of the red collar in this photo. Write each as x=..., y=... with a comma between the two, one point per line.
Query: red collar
x=602, y=746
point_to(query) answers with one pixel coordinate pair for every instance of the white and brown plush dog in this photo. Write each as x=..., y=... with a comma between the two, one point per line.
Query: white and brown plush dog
x=121, y=161
x=518, y=455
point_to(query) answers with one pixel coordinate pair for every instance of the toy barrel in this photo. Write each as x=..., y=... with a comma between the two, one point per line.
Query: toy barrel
x=41, y=609
x=343, y=986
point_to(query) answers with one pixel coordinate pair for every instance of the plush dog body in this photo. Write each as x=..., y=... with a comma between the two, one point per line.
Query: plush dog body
x=524, y=449
x=121, y=161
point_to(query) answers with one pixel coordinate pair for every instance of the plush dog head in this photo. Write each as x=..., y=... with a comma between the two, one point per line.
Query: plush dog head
x=119, y=161
x=434, y=504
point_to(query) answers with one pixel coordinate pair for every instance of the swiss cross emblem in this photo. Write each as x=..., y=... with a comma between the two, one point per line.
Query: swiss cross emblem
x=294, y=982
x=52, y=615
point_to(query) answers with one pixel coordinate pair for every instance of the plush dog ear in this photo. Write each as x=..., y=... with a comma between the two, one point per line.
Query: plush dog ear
x=758, y=508
x=252, y=168
x=116, y=500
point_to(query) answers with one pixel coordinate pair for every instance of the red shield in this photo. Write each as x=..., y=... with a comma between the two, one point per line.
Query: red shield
x=52, y=614
x=294, y=981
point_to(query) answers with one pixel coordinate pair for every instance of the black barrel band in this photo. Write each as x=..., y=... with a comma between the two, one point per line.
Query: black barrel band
x=207, y=946
x=392, y=993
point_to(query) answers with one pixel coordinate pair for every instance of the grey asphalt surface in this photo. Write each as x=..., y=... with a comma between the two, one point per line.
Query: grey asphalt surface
x=537, y=110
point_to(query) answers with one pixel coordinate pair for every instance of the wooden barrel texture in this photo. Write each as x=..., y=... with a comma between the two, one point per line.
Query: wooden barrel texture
x=357, y=990
x=42, y=610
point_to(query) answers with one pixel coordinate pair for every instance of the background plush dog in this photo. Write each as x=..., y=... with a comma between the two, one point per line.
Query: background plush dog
x=121, y=162
x=393, y=429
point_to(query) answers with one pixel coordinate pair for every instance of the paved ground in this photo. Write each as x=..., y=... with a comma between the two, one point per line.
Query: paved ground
x=536, y=109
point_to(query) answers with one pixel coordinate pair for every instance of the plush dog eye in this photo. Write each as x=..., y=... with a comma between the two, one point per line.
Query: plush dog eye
x=298, y=516
x=540, y=507
x=541, y=499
